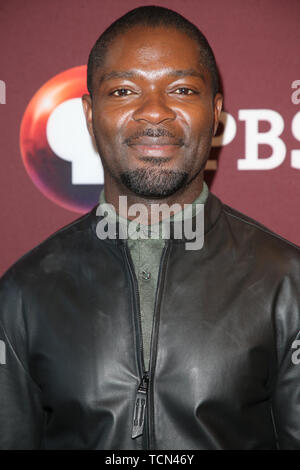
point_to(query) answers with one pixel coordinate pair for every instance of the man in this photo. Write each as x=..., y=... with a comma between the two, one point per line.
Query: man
x=140, y=343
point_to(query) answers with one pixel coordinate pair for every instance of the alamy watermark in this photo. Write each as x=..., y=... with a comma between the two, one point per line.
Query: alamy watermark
x=2, y=92
x=295, y=97
x=165, y=221
x=296, y=354
x=2, y=352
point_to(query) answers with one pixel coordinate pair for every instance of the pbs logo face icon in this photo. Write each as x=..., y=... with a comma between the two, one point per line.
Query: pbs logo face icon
x=58, y=153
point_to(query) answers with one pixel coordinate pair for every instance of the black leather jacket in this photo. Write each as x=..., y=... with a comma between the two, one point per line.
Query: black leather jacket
x=224, y=363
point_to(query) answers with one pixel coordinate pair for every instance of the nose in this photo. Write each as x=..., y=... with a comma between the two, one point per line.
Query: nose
x=154, y=109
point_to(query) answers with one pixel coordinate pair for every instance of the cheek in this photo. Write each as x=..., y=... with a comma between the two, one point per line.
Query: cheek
x=197, y=120
x=110, y=124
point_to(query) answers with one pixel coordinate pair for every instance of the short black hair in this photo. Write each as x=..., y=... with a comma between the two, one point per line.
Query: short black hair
x=151, y=16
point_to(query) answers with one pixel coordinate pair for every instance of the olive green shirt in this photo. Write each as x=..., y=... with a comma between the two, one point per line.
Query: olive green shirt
x=146, y=254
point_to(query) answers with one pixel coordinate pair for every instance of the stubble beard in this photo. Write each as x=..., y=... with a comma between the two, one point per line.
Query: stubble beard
x=154, y=182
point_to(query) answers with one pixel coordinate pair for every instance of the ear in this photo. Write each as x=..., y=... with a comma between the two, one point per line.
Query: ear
x=87, y=105
x=218, y=103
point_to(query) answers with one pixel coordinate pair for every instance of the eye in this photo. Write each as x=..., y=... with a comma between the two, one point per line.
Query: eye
x=184, y=91
x=121, y=92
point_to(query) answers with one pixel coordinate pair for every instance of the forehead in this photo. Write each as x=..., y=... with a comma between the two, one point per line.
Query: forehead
x=152, y=49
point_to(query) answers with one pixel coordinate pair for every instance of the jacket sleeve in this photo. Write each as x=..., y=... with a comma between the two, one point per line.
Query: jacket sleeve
x=286, y=396
x=21, y=413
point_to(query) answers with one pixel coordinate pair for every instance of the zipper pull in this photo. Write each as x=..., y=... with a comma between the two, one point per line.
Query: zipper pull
x=140, y=408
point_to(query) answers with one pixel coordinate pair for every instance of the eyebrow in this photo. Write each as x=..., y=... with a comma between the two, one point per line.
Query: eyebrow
x=135, y=74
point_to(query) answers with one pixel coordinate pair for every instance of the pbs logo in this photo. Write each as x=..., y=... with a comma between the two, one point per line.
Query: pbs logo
x=58, y=153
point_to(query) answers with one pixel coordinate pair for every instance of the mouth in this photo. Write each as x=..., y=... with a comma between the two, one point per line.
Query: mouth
x=155, y=150
x=155, y=147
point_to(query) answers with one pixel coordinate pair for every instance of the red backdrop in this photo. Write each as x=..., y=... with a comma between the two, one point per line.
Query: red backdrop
x=256, y=44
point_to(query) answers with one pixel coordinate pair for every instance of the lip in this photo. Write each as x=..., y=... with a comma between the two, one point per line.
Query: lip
x=162, y=150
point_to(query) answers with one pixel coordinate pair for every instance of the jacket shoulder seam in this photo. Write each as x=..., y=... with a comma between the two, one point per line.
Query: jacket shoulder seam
x=33, y=250
x=228, y=210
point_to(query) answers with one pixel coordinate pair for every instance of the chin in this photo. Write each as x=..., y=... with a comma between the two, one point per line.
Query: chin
x=148, y=183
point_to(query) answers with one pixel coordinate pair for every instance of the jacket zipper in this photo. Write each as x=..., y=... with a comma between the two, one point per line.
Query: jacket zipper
x=142, y=403
x=140, y=407
x=141, y=362
x=139, y=411
x=154, y=340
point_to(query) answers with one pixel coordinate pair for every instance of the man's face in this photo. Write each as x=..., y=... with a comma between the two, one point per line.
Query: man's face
x=152, y=113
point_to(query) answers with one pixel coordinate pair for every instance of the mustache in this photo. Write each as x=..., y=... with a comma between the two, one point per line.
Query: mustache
x=157, y=132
